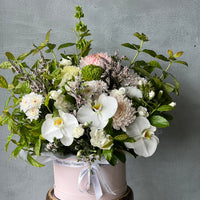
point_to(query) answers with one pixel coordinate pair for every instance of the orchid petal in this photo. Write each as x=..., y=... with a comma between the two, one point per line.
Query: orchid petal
x=109, y=105
x=133, y=92
x=138, y=126
x=49, y=131
x=86, y=114
x=67, y=138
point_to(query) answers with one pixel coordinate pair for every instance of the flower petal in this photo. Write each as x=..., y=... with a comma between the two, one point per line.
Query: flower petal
x=67, y=138
x=109, y=106
x=86, y=114
x=144, y=147
x=133, y=92
x=49, y=131
x=138, y=126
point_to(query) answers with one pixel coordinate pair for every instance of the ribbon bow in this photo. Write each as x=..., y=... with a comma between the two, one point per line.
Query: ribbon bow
x=92, y=170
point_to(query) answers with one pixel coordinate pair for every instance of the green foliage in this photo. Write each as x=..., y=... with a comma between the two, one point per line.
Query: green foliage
x=159, y=121
x=33, y=162
x=91, y=72
x=3, y=82
x=5, y=65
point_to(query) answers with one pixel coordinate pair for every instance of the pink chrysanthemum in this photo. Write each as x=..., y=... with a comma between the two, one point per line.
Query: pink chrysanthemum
x=125, y=113
x=94, y=59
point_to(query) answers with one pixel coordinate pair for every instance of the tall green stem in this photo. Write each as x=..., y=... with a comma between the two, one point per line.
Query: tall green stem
x=166, y=69
x=137, y=53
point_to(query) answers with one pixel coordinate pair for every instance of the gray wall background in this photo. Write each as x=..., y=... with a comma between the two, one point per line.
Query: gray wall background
x=173, y=172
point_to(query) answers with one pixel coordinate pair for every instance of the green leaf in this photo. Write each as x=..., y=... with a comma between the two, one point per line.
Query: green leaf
x=5, y=65
x=33, y=162
x=37, y=147
x=3, y=82
x=158, y=121
x=108, y=154
x=86, y=49
x=181, y=62
x=150, y=52
x=51, y=46
x=178, y=54
x=10, y=56
x=130, y=139
x=155, y=64
x=170, y=52
x=121, y=137
x=165, y=108
x=142, y=71
x=161, y=57
x=7, y=102
x=47, y=36
x=8, y=141
x=141, y=36
x=131, y=46
x=176, y=82
x=120, y=155
x=66, y=45
x=16, y=151
x=168, y=87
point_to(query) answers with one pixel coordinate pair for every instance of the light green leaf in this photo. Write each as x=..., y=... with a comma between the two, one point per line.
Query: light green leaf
x=178, y=54
x=181, y=62
x=37, y=147
x=47, y=36
x=141, y=36
x=33, y=162
x=165, y=108
x=131, y=46
x=66, y=45
x=8, y=141
x=5, y=65
x=168, y=87
x=150, y=52
x=3, y=82
x=155, y=64
x=10, y=56
x=159, y=121
x=108, y=154
x=121, y=137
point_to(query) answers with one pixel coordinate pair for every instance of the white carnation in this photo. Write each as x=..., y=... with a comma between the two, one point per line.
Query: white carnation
x=100, y=139
x=78, y=132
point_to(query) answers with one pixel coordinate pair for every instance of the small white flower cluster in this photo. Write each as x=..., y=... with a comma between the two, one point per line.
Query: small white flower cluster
x=31, y=104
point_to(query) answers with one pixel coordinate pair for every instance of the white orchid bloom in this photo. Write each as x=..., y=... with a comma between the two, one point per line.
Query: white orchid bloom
x=60, y=128
x=146, y=141
x=133, y=92
x=99, y=114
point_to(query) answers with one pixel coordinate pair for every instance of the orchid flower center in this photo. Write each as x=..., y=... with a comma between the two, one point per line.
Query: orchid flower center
x=146, y=134
x=97, y=107
x=58, y=122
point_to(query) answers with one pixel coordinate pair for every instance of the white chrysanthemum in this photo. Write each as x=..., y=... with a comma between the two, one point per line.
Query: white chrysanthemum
x=99, y=114
x=95, y=87
x=32, y=113
x=142, y=111
x=31, y=100
x=125, y=113
x=78, y=132
x=146, y=141
x=59, y=128
x=100, y=139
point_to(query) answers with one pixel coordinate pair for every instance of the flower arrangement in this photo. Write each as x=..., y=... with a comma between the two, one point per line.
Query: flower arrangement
x=89, y=105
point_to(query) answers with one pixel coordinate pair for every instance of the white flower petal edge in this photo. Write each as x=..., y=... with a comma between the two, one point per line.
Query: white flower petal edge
x=133, y=92
x=60, y=128
x=146, y=141
x=104, y=108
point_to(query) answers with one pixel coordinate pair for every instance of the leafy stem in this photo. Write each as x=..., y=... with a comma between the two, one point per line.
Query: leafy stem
x=141, y=44
x=167, y=68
